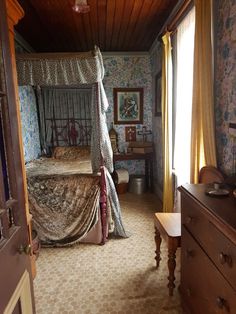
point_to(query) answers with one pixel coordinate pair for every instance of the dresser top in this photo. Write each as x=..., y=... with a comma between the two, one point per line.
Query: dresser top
x=222, y=208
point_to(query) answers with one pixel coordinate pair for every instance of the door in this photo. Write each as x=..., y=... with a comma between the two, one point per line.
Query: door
x=16, y=291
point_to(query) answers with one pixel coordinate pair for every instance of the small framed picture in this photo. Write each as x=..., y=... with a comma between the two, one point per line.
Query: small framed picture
x=130, y=133
x=158, y=94
x=128, y=105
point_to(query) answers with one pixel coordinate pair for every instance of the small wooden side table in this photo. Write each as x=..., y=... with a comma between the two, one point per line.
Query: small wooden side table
x=168, y=227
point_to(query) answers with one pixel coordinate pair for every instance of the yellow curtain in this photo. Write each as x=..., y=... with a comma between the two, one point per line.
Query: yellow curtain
x=167, y=123
x=203, y=150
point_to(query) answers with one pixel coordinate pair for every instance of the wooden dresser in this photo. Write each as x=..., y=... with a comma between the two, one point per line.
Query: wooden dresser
x=208, y=253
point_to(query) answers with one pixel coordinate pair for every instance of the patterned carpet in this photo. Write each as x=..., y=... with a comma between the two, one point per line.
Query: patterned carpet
x=117, y=278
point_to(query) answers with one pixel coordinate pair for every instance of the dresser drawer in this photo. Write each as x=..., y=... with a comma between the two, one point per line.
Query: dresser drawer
x=223, y=252
x=217, y=246
x=203, y=288
x=194, y=219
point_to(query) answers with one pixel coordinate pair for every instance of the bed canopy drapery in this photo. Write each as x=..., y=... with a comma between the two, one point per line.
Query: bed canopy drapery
x=80, y=69
x=74, y=69
x=64, y=117
x=53, y=69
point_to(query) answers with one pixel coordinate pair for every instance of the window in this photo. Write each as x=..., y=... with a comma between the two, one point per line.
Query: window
x=183, y=51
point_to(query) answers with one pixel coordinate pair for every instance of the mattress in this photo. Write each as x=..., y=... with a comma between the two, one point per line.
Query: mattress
x=52, y=166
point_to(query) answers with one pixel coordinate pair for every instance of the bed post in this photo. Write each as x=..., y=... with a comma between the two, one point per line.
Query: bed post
x=103, y=205
x=103, y=194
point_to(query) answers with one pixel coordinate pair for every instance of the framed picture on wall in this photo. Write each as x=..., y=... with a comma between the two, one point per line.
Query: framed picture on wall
x=128, y=105
x=158, y=94
x=130, y=133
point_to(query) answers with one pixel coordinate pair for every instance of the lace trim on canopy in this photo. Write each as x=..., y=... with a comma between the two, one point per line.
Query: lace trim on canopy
x=53, y=69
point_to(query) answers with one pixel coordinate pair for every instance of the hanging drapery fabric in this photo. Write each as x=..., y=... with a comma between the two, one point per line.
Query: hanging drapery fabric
x=203, y=150
x=101, y=150
x=167, y=123
x=53, y=69
x=73, y=69
x=63, y=111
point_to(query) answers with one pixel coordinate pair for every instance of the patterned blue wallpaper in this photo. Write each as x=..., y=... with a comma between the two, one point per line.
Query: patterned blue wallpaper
x=29, y=123
x=129, y=71
x=225, y=84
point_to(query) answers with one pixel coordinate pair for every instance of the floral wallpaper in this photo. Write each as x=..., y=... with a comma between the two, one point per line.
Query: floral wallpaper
x=29, y=123
x=225, y=84
x=129, y=71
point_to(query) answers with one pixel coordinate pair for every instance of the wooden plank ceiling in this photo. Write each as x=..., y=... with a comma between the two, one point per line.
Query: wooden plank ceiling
x=113, y=25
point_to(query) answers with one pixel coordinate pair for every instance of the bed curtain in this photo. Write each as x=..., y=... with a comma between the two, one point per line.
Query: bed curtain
x=80, y=70
x=74, y=69
x=55, y=69
x=67, y=107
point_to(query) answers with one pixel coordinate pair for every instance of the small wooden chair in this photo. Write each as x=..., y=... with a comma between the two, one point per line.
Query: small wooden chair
x=168, y=227
x=210, y=174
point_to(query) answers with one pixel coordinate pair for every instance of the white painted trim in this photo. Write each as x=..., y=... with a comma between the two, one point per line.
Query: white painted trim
x=22, y=292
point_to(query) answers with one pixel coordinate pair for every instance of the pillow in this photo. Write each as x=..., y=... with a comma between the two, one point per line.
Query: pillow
x=72, y=153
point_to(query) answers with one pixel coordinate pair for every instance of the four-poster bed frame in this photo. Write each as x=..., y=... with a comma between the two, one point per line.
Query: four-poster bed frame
x=73, y=70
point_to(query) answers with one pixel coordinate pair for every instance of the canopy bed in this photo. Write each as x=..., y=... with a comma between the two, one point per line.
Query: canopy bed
x=71, y=194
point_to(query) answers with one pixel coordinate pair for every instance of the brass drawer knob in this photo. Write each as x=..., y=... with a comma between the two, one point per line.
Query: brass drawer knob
x=224, y=258
x=220, y=302
x=25, y=249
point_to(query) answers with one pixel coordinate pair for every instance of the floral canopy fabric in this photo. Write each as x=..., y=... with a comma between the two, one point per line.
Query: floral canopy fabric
x=74, y=69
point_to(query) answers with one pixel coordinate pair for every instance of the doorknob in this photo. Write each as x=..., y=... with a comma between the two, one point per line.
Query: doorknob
x=25, y=249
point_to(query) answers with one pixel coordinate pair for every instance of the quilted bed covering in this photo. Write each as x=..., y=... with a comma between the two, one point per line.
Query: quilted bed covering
x=63, y=199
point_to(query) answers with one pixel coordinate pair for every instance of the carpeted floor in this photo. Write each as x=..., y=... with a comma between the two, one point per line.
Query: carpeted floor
x=117, y=278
